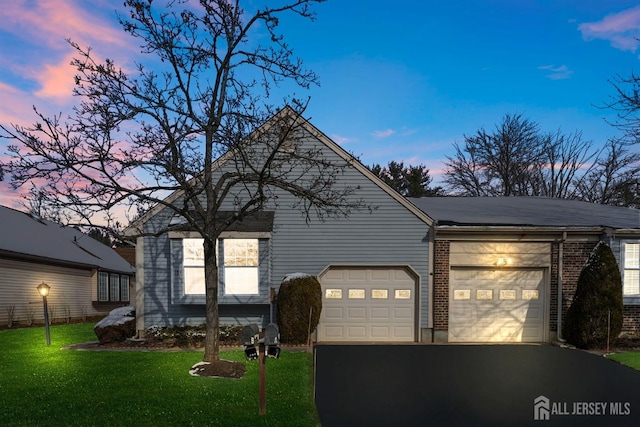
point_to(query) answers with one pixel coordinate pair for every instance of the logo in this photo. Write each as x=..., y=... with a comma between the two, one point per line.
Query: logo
x=544, y=408
x=541, y=408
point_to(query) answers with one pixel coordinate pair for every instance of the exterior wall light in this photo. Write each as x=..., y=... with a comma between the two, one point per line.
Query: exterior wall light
x=503, y=262
x=43, y=290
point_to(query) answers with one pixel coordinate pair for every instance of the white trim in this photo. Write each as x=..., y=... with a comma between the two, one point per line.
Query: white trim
x=223, y=235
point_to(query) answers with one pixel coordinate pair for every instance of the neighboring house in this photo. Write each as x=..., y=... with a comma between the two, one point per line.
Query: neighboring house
x=504, y=267
x=373, y=265
x=86, y=277
x=409, y=270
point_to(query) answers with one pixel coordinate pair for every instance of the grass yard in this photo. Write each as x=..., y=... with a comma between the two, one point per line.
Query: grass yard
x=42, y=385
x=631, y=359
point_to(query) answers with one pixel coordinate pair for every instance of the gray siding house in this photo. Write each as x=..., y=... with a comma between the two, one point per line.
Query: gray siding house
x=373, y=265
x=87, y=278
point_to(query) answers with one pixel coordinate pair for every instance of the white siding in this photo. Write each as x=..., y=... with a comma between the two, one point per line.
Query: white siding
x=70, y=289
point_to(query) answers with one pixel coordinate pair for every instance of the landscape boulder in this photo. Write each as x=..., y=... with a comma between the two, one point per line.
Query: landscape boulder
x=119, y=325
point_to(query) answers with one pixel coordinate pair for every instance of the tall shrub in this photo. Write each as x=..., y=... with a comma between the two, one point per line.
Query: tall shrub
x=596, y=311
x=299, y=296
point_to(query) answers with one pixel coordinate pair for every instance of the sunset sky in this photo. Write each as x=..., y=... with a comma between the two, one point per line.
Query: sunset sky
x=399, y=80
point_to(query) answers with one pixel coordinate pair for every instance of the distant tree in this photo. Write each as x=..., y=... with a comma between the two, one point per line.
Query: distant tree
x=615, y=177
x=101, y=236
x=595, y=314
x=410, y=181
x=139, y=134
x=626, y=103
x=518, y=159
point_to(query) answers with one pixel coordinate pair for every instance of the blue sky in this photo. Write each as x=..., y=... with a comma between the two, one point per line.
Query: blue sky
x=399, y=80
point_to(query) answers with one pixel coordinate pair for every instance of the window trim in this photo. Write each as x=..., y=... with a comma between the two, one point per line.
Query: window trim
x=107, y=287
x=178, y=295
x=624, y=268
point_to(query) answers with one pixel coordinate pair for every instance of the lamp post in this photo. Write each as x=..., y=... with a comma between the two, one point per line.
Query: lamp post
x=43, y=289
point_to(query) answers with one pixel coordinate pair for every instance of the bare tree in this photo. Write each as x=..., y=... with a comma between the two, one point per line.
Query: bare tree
x=135, y=138
x=410, y=181
x=615, y=177
x=517, y=159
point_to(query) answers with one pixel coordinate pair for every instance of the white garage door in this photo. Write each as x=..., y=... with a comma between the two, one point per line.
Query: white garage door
x=497, y=305
x=367, y=304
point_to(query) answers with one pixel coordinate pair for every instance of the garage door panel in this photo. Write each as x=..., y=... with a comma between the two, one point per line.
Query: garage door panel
x=376, y=304
x=495, y=305
x=355, y=332
x=380, y=313
x=356, y=313
x=333, y=312
x=334, y=332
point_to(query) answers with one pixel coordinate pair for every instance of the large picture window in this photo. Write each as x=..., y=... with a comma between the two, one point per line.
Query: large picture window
x=238, y=269
x=631, y=271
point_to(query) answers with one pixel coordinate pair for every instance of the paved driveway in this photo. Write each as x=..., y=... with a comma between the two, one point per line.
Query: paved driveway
x=472, y=385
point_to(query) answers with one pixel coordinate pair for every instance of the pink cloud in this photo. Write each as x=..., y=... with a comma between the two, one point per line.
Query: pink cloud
x=621, y=29
x=56, y=80
x=51, y=21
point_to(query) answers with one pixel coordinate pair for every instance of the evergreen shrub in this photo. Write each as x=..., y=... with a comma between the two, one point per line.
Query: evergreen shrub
x=595, y=314
x=298, y=296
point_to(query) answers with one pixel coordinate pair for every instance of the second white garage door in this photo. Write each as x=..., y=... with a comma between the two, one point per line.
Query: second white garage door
x=367, y=304
x=491, y=305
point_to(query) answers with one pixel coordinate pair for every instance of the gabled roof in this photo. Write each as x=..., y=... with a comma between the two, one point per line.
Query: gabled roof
x=526, y=211
x=303, y=123
x=24, y=236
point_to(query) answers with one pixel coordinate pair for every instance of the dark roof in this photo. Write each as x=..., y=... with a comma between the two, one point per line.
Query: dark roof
x=26, y=236
x=526, y=211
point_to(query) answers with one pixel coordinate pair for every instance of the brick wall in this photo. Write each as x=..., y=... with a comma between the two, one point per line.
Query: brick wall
x=575, y=256
x=631, y=319
x=441, y=286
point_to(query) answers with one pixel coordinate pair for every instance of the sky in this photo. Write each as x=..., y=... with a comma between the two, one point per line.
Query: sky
x=399, y=81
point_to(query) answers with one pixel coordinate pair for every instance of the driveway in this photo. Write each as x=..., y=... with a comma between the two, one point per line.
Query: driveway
x=474, y=385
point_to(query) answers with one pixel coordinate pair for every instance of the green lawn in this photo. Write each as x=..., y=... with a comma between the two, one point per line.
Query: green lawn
x=631, y=359
x=42, y=385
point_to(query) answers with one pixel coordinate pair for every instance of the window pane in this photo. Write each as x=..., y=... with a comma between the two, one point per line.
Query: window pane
x=356, y=293
x=193, y=252
x=402, y=294
x=241, y=252
x=241, y=281
x=631, y=282
x=114, y=287
x=194, y=281
x=333, y=294
x=124, y=288
x=103, y=287
x=379, y=293
x=631, y=255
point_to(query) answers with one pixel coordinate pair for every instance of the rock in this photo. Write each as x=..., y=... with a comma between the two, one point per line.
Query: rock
x=119, y=325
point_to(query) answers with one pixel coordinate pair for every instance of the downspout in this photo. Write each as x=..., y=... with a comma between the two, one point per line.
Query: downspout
x=432, y=255
x=560, y=267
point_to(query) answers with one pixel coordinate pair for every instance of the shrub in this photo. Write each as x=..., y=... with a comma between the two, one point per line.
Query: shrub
x=298, y=295
x=598, y=293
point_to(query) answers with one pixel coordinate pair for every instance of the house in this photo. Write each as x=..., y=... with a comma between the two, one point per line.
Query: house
x=373, y=265
x=87, y=278
x=506, y=268
x=406, y=270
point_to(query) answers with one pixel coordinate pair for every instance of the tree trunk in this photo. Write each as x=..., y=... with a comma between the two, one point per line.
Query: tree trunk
x=211, y=343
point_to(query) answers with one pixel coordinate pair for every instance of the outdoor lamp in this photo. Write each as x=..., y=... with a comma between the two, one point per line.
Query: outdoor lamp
x=43, y=290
